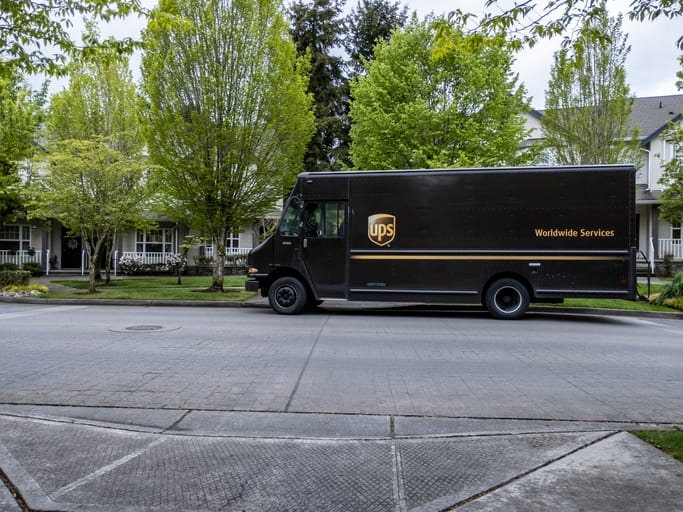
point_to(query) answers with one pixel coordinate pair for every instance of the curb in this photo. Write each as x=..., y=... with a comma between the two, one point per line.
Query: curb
x=258, y=303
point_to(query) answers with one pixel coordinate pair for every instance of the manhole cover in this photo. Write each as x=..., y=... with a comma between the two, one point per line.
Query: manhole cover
x=144, y=328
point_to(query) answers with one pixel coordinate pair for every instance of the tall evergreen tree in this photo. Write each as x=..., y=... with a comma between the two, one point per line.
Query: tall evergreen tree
x=588, y=102
x=368, y=23
x=317, y=27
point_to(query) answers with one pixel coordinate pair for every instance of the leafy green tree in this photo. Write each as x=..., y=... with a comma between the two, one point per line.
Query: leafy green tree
x=671, y=208
x=369, y=22
x=427, y=105
x=92, y=189
x=20, y=116
x=94, y=181
x=588, y=101
x=227, y=114
x=316, y=27
x=531, y=20
x=35, y=35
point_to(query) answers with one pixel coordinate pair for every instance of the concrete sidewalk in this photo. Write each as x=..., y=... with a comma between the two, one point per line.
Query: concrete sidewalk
x=134, y=460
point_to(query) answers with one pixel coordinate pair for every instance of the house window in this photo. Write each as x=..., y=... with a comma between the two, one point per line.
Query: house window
x=232, y=244
x=155, y=240
x=676, y=232
x=15, y=237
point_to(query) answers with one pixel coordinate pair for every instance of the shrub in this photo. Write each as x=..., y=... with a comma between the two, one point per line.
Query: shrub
x=176, y=264
x=14, y=278
x=9, y=266
x=130, y=265
x=204, y=264
x=673, y=290
x=33, y=267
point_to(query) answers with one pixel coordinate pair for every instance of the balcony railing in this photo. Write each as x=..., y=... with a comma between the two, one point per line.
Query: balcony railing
x=20, y=257
x=671, y=246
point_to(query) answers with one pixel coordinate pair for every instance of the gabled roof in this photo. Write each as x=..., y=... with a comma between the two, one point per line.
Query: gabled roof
x=652, y=115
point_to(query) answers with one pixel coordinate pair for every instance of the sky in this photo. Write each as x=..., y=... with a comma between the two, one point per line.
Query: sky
x=651, y=65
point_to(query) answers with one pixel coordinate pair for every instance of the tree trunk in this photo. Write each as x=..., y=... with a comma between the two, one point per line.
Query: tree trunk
x=218, y=263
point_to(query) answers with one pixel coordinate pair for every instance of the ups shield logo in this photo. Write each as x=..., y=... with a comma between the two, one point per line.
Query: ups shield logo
x=381, y=228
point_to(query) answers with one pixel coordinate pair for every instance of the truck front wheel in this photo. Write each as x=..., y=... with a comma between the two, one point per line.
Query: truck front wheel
x=507, y=299
x=287, y=296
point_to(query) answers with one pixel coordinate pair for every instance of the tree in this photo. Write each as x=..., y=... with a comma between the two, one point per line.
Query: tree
x=20, y=116
x=227, y=115
x=530, y=20
x=588, y=102
x=369, y=22
x=34, y=35
x=428, y=105
x=671, y=208
x=95, y=180
x=316, y=28
x=93, y=190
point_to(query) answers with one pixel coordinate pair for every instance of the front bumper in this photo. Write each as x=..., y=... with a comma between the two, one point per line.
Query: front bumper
x=252, y=285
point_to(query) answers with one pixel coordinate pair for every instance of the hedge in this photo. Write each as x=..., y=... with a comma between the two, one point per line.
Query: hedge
x=14, y=278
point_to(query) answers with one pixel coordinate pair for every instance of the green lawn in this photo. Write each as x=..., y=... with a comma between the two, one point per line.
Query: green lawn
x=156, y=288
x=620, y=304
x=669, y=441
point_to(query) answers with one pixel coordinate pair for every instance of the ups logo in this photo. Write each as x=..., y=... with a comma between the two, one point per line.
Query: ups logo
x=381, y=228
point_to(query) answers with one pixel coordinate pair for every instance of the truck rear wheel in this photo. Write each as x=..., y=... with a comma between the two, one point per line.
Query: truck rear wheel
x=287, y=296
x=507, y=299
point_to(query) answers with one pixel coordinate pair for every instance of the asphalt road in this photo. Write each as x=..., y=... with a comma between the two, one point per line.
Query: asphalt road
x=132, y=409
x=444, y=364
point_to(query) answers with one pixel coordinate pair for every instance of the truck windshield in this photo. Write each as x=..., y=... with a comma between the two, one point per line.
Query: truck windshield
x=289, y=224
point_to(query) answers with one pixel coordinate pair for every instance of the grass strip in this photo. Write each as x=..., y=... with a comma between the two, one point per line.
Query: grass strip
x=155, y=288
x=669, y=441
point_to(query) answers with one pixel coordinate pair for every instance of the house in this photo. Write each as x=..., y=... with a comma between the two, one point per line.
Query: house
x=53, y=247
x=658, y=240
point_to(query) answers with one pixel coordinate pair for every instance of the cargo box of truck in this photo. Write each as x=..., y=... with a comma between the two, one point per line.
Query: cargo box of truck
x=499, y=237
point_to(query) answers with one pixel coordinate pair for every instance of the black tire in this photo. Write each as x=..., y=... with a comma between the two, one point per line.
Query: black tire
x=507, y=299
x=287, y=296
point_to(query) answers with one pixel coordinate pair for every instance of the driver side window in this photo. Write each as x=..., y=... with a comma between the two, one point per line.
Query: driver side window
x=289, y=225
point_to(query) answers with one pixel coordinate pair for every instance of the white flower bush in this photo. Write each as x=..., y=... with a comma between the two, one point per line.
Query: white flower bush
x=130, y=265
x=175, y=263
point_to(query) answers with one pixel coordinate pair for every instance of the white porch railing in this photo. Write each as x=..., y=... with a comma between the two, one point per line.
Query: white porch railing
x=20, y=257
x=671, y=246
x=148, y=258
x=159, y=258
x=208, y=252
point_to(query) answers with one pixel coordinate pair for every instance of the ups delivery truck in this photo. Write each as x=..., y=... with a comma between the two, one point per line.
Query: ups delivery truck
x=500, y=237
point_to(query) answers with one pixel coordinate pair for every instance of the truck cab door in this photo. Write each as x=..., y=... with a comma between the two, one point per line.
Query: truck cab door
x=324, y=247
